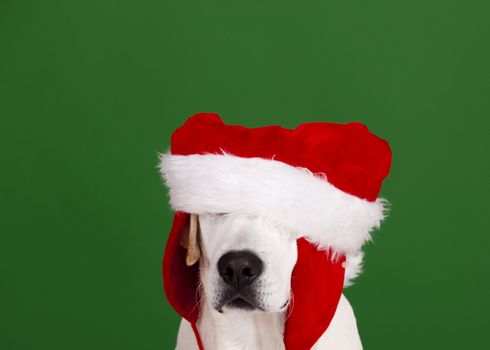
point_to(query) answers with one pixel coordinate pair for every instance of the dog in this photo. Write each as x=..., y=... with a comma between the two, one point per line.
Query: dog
x=245, y=286
x=272, y=222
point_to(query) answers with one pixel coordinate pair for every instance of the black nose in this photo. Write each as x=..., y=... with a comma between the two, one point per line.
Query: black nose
x=239, y=268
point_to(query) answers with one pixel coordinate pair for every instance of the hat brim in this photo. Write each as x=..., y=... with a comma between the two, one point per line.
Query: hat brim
x=292, y=196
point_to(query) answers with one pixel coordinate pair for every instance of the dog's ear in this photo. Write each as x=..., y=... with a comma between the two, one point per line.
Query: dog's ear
x=190, y=240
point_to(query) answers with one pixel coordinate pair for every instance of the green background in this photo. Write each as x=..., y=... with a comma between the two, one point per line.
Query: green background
x=91, y=90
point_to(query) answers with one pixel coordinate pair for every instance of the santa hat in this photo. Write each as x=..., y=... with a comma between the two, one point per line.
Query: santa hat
x=321, y=180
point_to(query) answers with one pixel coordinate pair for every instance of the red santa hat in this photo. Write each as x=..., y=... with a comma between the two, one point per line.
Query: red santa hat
x=321, y=180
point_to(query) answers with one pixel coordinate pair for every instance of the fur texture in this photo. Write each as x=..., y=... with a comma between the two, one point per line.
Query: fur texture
x=297, y=198
x=274, y=245
x=242, y=330
x=353, y=267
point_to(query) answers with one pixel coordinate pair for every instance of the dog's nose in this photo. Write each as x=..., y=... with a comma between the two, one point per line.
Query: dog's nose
x=239, y=268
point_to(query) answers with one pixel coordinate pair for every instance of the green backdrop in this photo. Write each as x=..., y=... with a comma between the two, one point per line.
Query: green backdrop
x=91, y=90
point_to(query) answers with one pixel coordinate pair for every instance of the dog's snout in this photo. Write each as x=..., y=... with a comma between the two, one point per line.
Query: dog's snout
x=239, y=268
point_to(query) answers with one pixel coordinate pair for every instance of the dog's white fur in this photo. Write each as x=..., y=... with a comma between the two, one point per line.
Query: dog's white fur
x=271, y=242
x=264, y=331
x=235, y=329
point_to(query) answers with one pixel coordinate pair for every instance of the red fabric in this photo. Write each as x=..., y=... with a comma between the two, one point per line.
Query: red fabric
x=179, y=280
x=354, y=160
x=317, y=285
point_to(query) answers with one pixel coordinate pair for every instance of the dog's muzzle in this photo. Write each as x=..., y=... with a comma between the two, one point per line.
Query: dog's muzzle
x=239, y=271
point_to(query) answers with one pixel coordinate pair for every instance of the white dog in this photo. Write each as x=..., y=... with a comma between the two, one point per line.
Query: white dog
x=245, y=287
x=297, y=198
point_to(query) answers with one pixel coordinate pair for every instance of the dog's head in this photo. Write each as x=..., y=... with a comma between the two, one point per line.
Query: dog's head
x=245, y=261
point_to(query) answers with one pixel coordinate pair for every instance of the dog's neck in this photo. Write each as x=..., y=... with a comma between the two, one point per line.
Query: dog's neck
x=233, y=330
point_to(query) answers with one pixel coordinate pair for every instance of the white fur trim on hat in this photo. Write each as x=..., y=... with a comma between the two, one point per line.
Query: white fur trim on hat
x=292, y=196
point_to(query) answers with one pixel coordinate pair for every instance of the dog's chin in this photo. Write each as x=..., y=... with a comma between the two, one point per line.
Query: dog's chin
x=242, y=305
